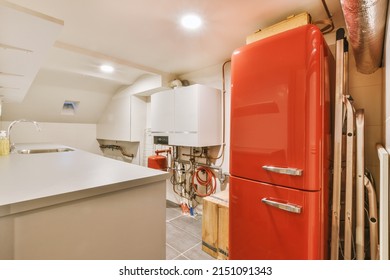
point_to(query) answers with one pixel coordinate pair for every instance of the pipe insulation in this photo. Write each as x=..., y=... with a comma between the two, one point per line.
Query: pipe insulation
x=365, y=21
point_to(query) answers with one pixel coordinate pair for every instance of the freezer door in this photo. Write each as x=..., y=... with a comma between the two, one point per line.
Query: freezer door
x=280, y=105
x=269, y=222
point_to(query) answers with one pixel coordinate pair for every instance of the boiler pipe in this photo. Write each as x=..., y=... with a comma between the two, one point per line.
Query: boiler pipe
x=372, y=218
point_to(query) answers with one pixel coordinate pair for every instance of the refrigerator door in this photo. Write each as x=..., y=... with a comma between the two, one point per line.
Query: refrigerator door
x=270, y=222
x=280, y=107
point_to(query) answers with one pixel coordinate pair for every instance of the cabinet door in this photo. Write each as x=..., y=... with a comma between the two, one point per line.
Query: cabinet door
x=197, y=116
x=186, y=110
x=124, y=119
x=185, y=117
x=162, y=112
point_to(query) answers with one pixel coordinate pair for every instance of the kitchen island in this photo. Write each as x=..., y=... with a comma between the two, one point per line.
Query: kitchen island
x=71, y=204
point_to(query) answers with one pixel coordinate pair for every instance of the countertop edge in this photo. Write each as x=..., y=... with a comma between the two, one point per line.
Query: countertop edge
x=34, y=204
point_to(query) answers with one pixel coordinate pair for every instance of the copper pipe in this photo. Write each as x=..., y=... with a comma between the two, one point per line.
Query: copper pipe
x=329, y=25
x=157, y=152
x=223, y=100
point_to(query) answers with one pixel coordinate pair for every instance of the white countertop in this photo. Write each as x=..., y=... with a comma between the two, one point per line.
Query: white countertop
x=28, y=177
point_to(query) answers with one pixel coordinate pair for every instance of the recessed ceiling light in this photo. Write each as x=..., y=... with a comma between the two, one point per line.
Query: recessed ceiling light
x=191, y=21
x=106, y=68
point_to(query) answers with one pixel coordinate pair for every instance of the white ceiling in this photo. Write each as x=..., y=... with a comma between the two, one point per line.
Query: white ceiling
x=140, y=38
x=146, y=34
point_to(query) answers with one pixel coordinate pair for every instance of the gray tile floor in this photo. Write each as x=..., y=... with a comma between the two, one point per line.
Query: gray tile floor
x=184, y=235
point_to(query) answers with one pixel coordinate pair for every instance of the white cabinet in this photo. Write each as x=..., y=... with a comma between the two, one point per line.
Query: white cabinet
x=197, y=116
x=162, y=109
x=189, y=116
x=124, y=119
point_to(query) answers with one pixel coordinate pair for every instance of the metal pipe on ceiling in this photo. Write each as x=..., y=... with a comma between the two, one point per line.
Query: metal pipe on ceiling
x=365, y=21
x=329, y=25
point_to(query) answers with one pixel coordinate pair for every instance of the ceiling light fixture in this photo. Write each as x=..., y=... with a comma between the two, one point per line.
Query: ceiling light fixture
x=191, y=21
x=106, y=68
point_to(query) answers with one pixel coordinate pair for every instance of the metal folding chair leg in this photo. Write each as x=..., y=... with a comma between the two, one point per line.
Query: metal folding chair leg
x=337, y=145
x=349, y=180
x=360, y=184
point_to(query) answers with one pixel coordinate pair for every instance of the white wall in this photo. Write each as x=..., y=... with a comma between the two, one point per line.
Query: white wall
x=386, y=86
x=80, y=136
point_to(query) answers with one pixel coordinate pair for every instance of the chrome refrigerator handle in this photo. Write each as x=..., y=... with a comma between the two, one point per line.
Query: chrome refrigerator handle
x=283, y=206
x=284, y=170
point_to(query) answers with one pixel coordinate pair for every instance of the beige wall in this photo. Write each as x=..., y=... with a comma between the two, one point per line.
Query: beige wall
x=80, y=136
x=366, y=91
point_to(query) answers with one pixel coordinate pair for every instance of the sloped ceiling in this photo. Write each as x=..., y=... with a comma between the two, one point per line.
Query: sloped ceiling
x=142, y=37
x=49, y=91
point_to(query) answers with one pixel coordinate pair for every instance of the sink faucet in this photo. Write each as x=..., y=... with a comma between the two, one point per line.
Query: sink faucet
x=12, y=145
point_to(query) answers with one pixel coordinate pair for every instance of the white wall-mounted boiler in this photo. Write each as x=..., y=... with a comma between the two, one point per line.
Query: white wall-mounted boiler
x=188, y=116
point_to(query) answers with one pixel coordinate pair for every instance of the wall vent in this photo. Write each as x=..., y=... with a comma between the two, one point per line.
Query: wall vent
x=70, y=107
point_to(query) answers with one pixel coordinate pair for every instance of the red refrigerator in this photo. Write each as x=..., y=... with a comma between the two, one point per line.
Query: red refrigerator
x=280, y=155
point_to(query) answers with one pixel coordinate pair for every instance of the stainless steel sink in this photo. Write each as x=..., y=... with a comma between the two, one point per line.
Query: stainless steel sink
x=40, y=151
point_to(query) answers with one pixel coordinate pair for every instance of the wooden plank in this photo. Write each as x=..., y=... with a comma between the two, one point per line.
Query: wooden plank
x=287, y=24
x=210, y=228
x=220, y=198
x=223, y=232
x=215, y=225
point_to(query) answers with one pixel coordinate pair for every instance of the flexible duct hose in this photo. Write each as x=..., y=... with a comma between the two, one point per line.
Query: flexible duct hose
x=366, y=22
x=210, y=183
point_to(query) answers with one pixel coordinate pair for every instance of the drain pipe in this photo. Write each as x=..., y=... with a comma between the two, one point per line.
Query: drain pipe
x=365, y=21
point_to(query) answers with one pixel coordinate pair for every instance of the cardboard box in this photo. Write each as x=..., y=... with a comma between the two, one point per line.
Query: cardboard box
x=215, y=225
